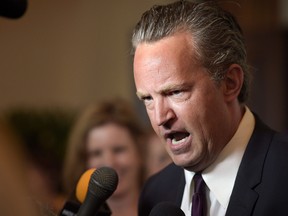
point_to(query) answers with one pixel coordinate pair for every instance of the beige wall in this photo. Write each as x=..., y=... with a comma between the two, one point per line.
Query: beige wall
x=67, y=53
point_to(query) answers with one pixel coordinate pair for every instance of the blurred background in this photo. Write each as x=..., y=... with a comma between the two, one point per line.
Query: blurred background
x=62, y=55
x=67, y=53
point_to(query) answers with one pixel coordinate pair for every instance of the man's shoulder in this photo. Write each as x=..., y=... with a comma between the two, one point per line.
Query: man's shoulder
x=170, y=173
x=170, y=180
x=266, y=152
x=166, y=185
x=277, y=139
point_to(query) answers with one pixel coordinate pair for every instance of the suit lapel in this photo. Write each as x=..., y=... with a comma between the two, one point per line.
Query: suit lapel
x=180, y=190
x=244, y=198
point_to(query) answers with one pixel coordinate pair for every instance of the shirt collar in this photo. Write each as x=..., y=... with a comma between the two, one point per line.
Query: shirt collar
x=219, y=177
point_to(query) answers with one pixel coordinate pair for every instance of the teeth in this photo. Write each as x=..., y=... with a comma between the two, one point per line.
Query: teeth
x=179, y=137
x=177, y=142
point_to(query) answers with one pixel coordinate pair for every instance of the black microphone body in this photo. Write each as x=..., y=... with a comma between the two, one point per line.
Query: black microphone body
x=70, y=208
x=13, y=9
x=166, y=209
x=90, y=206
x=102, y=184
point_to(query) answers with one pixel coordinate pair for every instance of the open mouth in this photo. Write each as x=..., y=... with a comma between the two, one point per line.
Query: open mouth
x=178, y=137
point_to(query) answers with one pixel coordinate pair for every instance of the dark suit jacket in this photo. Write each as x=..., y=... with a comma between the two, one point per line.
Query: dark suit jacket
x=261, y=186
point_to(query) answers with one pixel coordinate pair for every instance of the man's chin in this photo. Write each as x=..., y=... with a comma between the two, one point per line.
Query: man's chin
x=180, y=161
x=187, y=164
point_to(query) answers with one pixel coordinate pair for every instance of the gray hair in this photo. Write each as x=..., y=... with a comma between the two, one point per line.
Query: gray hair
x=218, y=38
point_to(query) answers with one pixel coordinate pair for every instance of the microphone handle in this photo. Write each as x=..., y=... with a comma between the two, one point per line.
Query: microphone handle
x=70, y=208
x=90, y=206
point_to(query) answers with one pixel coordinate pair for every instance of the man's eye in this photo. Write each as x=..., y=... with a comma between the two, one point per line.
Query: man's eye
x=176, y=92
x=147, y=99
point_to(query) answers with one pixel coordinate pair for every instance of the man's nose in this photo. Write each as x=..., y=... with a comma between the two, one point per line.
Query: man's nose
x=163, y=113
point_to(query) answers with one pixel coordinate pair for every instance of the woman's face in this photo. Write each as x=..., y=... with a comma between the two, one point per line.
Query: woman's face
x=112, y=145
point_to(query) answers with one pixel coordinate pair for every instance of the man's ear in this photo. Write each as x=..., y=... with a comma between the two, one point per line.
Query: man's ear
x=233, y=82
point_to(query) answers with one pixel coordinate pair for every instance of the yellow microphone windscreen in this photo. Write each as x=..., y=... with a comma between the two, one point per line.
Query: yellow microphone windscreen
x=82, y=185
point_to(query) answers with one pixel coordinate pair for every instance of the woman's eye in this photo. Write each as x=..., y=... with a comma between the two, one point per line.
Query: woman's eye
x=95, y=153
x=119, y=149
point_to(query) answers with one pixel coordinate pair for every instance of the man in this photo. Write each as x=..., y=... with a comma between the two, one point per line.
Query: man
x=191, y=73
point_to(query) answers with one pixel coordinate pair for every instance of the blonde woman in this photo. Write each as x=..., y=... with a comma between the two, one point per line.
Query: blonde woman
x=108, y=134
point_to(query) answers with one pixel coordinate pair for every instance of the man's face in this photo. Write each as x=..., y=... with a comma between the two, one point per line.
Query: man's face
x=186, y=108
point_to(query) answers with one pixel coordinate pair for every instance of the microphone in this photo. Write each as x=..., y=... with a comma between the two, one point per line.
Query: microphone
x=70, y=208
x=103, y=182
x=166, y=209
x=81, y=191
x=13, y=8
x=82, y=185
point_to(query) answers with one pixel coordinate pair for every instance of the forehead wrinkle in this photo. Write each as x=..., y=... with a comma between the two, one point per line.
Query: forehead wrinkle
x=157, y=66
x=168, y=83
x=162, y=90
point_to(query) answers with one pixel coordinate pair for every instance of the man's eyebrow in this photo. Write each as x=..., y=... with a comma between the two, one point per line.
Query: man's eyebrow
x=168, y=88
x=141, y=95
x=164, y=90
x=172, y=87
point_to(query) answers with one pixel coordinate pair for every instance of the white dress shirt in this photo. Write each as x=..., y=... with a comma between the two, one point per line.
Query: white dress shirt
x=220, y=176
